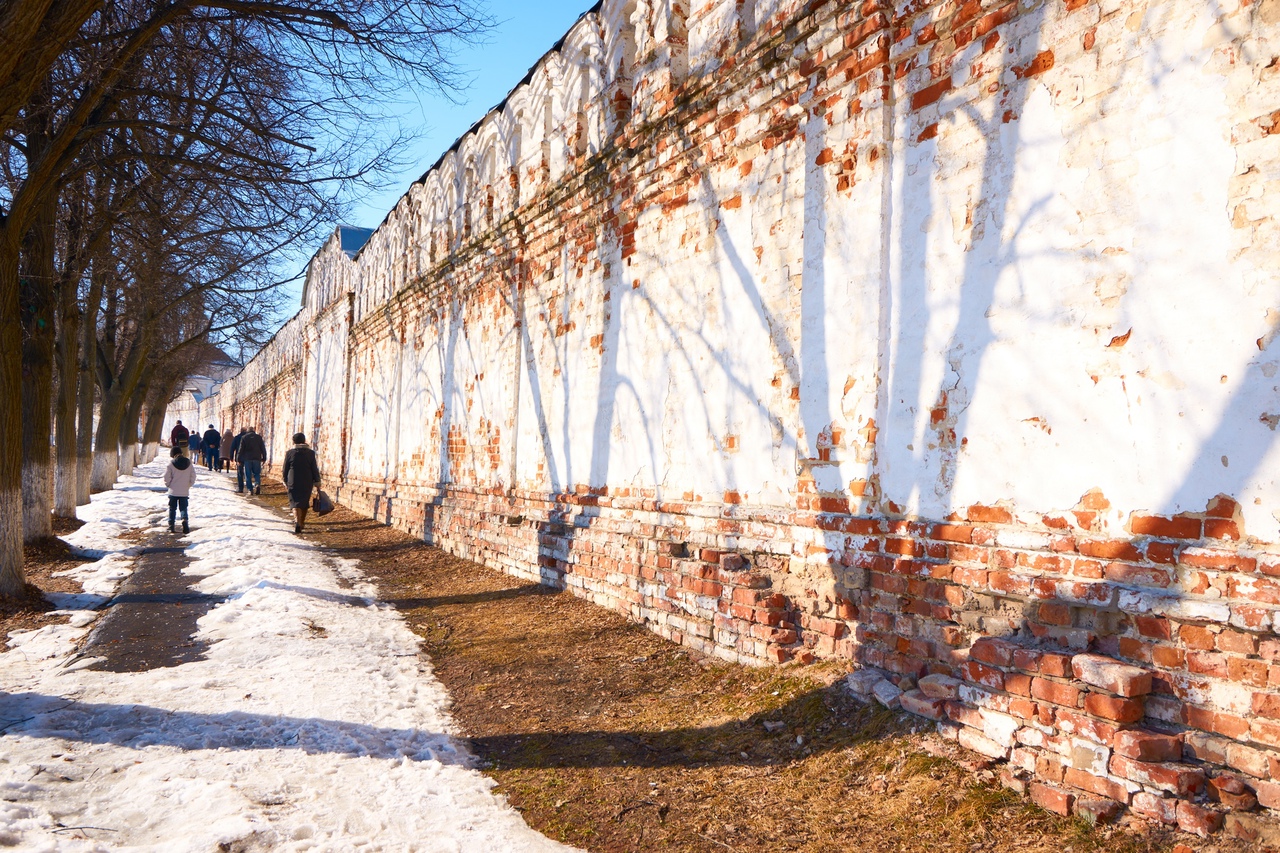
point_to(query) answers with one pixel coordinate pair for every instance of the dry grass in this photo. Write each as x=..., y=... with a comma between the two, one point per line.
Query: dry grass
x=41, y=561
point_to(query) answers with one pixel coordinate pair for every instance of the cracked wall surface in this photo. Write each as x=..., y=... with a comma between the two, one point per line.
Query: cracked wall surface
x=935, y=335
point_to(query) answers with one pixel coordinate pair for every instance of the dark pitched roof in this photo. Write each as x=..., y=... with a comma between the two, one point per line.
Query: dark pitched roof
x=352, y=239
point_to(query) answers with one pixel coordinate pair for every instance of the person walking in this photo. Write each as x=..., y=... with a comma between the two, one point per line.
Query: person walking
x=179, y=477
x=225, y=451
x=301, y=475
x=235, y=456
x=212, y=441
x=253, y=452
x=178, y=435
x=193, y=445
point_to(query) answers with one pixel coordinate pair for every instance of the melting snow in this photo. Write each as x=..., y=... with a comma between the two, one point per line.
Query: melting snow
x=286, y=738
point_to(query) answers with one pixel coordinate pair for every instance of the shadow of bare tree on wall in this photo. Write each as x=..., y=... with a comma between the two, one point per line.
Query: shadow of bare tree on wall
x=703, y=381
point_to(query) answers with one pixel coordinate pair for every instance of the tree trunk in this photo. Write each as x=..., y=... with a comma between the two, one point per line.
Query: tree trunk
x=65, y=474
x=88, y=385
x=84, y=420
x=129, y=431
x=116, y=401
x=157, y=405
x=12, y=581
x=36, y=282
x=106, y=442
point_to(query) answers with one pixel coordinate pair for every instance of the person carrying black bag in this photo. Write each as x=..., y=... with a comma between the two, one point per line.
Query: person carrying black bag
x=301, y=474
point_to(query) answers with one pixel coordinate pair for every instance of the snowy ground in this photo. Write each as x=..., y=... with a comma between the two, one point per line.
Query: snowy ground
x=312, y=725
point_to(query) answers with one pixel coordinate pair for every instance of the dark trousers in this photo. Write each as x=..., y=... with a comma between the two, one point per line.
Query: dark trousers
x=177, y=502
x=211, y=459
x=239, y=476
x=252, y=473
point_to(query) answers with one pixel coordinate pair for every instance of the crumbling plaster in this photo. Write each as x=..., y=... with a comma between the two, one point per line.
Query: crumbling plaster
x=876, y=329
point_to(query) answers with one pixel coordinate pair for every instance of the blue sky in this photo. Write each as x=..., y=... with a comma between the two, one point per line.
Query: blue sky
x=525, y=31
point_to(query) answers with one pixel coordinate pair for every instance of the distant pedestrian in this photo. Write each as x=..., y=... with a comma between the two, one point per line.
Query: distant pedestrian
x=253, y=452
x=212, y=442
x=301, y=475
x=225, y=451
x=178, y=436
x=235, y=456
x=179, y=477
x=193, y=445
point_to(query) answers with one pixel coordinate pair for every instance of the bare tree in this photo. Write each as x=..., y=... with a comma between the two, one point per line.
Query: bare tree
x=312, y=67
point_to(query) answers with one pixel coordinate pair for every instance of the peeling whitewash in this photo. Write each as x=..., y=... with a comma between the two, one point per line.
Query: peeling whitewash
x=716, y=274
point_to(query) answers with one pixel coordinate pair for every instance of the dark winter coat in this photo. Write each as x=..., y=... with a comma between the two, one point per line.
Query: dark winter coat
x=178, y=436
x=235, y=445
x=228, y=443
x=301, y=474
x=212, y=440
x=193, y=442
x=252, y=448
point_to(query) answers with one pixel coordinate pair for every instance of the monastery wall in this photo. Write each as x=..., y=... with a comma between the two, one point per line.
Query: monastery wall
x=938, y=336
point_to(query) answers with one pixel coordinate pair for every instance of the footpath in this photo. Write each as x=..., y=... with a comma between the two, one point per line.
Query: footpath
x=236, y=689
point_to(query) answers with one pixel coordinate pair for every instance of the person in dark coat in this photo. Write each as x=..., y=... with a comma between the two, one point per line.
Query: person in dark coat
x=193, y=445
x=212, y=442
x=301, y=475
x=253, y=452
x=225, y=451
x=178, y=436
x=235, y=456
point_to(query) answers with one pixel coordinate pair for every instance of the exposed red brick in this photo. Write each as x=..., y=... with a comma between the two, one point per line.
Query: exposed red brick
x=1042, y=62
x=1100, y=785
x=1196, y=637
x=1127, y=573
x=987, y=676
x=930, y=94
x=1109, y=549
x=1164, y=527
x=1111, y=675
x=1181, y=780
x=993, y=651
x=1220, y=528
x=1147, y=746
x=1198, y=820
x=1056, y=665
x=1153, y=807
x=989, y=514
x=1156, y=627
x=1051, y=798
x=1113, y=708
x=1056, y=692
x=1053, y=613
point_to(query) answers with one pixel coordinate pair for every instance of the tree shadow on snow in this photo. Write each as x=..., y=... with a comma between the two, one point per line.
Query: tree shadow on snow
x=35, y=715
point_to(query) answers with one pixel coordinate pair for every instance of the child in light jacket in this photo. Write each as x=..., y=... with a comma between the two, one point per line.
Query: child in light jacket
x=179, y=477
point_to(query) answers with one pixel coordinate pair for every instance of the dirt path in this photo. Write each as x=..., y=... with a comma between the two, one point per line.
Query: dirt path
x=151, y=621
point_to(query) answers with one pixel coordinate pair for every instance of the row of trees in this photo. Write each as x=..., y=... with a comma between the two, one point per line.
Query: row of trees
x=160, y=159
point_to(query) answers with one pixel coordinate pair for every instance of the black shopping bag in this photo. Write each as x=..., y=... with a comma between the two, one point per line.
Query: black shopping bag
x=321, y=503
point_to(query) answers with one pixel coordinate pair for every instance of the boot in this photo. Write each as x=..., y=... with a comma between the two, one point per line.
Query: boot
x=297, y=528
x=185, y=527
x=171, y=527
